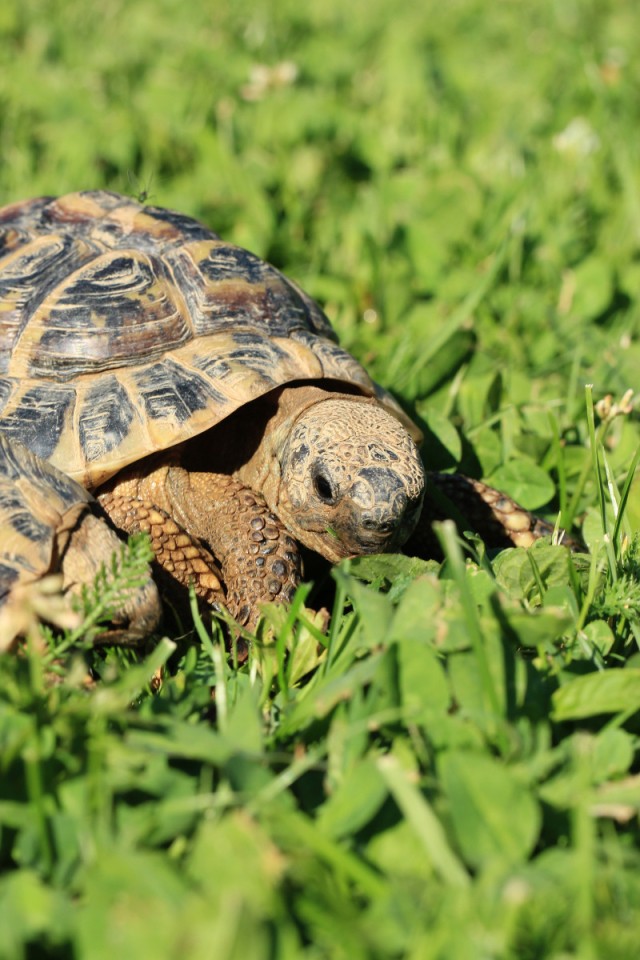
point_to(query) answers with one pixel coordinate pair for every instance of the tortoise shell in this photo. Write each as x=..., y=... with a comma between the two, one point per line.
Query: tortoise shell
x=127, y=329
x=37, y=505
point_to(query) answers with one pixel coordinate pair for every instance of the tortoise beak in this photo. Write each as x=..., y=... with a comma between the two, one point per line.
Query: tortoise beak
x=376, y=515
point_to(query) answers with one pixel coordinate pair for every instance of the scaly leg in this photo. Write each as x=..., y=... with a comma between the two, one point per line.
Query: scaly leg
x=232, y=535
x=177, y=553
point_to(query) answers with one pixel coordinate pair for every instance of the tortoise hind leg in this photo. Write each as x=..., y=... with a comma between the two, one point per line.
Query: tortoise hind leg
x=473, y=505
x=91, y=545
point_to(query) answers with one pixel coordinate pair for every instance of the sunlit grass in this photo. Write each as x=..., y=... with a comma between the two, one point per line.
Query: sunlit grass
x=450, y=768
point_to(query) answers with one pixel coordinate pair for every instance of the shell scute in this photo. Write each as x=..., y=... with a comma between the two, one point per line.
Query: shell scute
x=39, y=417
x=27, y=277
x=185, y=227
x=22, y=519
x=228, y=262
x=215, y=367
x=105, y=417
x=170, y=392
x=118, y=310
x=227, y=288
x=34, y=499
x=7, y=387
x=8, y=577
x=26, y=212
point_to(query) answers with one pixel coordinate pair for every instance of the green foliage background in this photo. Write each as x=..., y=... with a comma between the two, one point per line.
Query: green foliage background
x=459, y=184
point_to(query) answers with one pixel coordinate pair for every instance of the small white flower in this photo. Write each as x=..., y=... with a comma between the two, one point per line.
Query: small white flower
x=264, y=79
x=578, y=138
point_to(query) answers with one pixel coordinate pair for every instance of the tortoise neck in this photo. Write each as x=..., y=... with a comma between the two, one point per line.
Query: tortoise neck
x=248, y=444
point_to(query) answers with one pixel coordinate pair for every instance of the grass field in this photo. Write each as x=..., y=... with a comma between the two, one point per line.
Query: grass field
x=451, y=770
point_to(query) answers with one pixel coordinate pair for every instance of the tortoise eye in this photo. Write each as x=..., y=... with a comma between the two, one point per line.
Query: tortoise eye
x=323, y=488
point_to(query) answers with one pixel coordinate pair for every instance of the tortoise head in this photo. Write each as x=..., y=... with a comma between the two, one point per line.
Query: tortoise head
x=351, y=480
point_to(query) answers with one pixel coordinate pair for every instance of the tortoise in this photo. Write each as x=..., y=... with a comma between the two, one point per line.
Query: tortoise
x=199, y=395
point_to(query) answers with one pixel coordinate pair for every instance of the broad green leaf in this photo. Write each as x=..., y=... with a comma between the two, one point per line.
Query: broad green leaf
x=397, y=569
x=613, y=754
x=562, y=597
x=186, y=741
x=618, y=799
x=443, y=445
x=489, y=699
x=243, y=728
x=415, y=618
x=31, y=911
x=494, y=815
x=519, y=571
x=590, y=762
x=235, y=855
x=355, y=801
x=480, y=394
x=440, y=364
x=542, y=627
x=131, y=905
x=488, y=451
x=374, y=609
x=600, y=634
x=347, y=741
x=482, y=586
x=394, y=851
x=424, y=690
x=609, y=691
x=594, y=284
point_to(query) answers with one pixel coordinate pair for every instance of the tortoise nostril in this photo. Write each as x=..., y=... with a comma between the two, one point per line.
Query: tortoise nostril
x=380, y=526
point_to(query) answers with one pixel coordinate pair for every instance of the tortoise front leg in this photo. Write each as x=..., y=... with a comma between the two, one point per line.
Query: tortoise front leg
x=258, y=560
x=177, y=553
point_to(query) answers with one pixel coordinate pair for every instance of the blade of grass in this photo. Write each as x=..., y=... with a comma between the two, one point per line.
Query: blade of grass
x=595, y=459
x=624, y=497
x=446, y=533
x=426, y=825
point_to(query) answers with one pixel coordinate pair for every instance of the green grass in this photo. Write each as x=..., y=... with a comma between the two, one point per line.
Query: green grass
x=451, y=769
